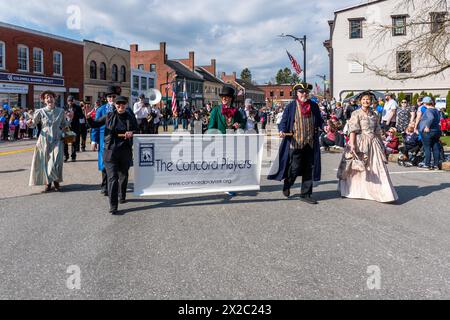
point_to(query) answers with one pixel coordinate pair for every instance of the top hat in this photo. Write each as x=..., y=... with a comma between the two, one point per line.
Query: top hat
x=303, y=86
x=112, y=91
x=228, y=92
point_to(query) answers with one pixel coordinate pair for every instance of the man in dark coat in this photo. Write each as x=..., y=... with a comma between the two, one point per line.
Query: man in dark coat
x=120, y=126
x=299, y=153
x=75, y=126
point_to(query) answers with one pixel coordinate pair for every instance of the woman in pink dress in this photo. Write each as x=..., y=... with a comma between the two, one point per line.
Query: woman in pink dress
x=368, y=178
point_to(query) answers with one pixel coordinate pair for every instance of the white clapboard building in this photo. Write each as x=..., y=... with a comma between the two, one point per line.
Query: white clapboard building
x=357, y=44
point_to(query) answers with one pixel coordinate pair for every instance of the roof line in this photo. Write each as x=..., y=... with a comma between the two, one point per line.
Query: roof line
x=39, y=33
x=358, y=6
x=105, y=45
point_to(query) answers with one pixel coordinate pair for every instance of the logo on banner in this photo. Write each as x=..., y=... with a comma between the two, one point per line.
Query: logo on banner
x=147, y=155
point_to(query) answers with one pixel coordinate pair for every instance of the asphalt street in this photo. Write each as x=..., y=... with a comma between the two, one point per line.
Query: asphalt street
x=257, y=245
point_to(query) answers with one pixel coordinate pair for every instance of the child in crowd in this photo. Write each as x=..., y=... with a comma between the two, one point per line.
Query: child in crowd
x=411, y=142
x=22, y=128
x=391, y=142
x=12, y=127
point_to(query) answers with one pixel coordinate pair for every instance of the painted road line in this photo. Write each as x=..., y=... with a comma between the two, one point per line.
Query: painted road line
x=8, y=153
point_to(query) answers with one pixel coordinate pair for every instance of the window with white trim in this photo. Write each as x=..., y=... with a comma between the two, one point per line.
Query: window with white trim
x=57, y=63
x=2, y=55
x=38, y=60
x=23, y=58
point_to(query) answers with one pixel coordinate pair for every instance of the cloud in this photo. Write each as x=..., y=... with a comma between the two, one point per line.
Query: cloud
x=238, y=34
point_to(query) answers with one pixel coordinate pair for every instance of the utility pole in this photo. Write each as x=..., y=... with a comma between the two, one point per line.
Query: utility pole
x=303, y=43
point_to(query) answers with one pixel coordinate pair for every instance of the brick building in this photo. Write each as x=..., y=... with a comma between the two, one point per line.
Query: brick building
x=213, y=86
x=105, y=66
x=170, y=73
x=275, y=94
x=244, y=90
x=33, y=61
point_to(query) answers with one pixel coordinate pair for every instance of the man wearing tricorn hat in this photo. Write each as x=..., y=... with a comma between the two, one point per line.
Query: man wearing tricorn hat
x=299, y=153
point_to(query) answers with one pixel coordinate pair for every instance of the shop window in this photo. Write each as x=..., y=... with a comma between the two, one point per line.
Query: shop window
x=135, y=83
x=57, y=63
x=115, y=73
x=2, y=55
x=102, y=71
x=143, y=83
x=93, y=70
x=123, y=74
x=23, y=58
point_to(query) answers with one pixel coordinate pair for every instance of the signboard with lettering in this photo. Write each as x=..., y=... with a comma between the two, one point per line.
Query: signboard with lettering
x=196, y=164
x=13, y=88
x=13, y=77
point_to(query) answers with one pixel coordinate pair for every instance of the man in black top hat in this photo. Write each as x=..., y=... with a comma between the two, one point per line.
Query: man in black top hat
x=120, y=125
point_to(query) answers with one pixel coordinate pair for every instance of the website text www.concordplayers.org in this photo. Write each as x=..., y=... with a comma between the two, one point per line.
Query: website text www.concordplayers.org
x=199, y=182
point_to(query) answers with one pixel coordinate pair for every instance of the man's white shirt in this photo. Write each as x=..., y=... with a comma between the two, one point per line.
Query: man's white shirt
x=140, y=111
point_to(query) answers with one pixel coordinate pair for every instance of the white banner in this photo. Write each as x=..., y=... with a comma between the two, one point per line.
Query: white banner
x=196, y=164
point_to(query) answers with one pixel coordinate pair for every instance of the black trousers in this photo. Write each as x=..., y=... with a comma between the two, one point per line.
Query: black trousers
x=104, y=181
x=82, y=135
x=143, y=126
x=301, y=164
x=117, y=168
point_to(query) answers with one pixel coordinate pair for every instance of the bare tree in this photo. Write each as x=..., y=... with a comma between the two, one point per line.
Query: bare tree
x=427, y=41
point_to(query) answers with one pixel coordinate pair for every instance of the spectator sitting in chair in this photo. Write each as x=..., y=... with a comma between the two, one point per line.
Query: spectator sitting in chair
x=391, y=142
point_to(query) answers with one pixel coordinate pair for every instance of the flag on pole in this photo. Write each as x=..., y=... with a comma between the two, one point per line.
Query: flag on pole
x=185, y=94
x=295, y=64
x=174, y=100
x=318, y=88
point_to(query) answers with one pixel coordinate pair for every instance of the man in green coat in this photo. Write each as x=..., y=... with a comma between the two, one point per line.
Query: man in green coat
x=226, y=117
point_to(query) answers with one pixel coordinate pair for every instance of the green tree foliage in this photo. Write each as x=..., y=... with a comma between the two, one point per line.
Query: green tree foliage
x=285, y=76
x=448, y=102
x=351, y=94
x=401, y=96
x=246, y=75
x=415, y=98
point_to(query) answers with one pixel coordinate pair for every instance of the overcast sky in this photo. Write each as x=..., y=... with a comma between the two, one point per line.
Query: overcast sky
x=237, y=33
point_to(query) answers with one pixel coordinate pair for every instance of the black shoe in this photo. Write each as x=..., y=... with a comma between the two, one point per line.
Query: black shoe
x=286, y=190
x=122, y=201
x=74, y=160
x=66, y=159
x=308, y=200
x=57, y=186
x=113, y=211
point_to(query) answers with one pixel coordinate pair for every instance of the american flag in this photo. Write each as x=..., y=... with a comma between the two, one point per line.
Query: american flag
x=174, y=101
x=318, y=88
x=296, y=66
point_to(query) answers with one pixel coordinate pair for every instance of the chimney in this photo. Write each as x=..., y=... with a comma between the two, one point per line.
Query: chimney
x=213, y=66
x=223, y=76
x=234, y=75
x=162, y=50
x=192, y=60
x=134, y=48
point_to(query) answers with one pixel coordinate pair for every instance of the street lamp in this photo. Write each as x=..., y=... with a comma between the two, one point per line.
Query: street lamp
x=324, y=78
x=303, y=43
